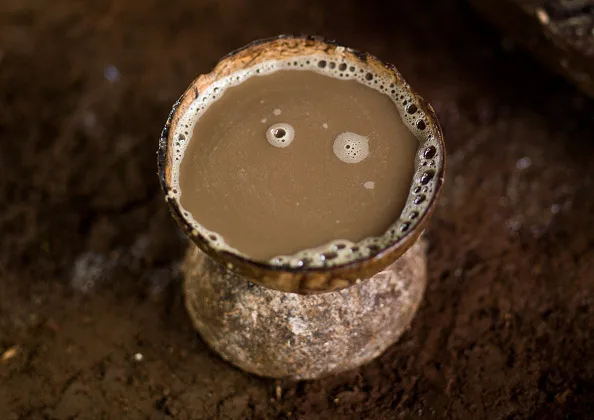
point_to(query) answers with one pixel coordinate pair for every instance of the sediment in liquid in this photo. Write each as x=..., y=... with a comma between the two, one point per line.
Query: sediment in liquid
x=266, y=201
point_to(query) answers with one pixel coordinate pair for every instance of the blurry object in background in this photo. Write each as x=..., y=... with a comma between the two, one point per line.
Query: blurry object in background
x=559, y=32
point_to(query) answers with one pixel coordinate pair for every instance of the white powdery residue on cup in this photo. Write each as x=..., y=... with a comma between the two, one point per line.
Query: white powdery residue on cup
x=276, y=112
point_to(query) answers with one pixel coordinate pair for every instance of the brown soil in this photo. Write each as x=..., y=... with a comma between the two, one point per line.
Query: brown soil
x=559, y=32
x=89, y=261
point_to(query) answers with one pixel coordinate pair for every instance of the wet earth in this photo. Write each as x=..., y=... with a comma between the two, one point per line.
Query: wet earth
x=92, y=321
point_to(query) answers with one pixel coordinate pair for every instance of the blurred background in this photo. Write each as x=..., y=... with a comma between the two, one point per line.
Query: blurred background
x=92, y=321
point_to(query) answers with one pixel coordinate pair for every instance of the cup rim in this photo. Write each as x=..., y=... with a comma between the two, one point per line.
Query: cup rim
x=284, y=277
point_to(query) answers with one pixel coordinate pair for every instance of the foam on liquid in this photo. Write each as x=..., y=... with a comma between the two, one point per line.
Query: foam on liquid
x=351, y=147
x=280, y=134
x=337, y=251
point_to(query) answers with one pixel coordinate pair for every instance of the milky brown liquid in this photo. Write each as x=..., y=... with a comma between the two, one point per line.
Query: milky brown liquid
x=267, y=201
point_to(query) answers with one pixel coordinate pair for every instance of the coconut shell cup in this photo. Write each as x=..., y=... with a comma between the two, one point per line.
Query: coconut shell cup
x=282, y=321
x=330, y=277
x=295, y=336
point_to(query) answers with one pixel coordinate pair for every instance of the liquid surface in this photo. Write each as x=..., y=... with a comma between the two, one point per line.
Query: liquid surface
x=267, y=200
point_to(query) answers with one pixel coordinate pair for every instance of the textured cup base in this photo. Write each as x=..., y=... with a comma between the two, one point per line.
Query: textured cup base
x=286, y=335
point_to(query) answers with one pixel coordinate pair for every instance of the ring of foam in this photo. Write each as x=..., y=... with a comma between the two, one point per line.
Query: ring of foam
x=429, y=157
x=275, y=138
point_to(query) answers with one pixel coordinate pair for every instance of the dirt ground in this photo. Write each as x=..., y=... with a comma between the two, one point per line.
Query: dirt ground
x=92, y=321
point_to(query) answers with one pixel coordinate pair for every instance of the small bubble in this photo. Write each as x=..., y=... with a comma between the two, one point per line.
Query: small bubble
x=369, y=185
x=329, y=256
x=304, y=262
x=426, y=177
x=421, y=125
x=419, y=199
x=411, y=109
x=368, y=76
x=351, y=69
x=404, y=227
x=322, y=64
x=325, y=125
x=357, y=147
x=413, y=215
x=342, y=67
x=276, y=112
x=280, y=135
x=212, y=237
x=429, y=152
x=417, y=190
x=332, y=64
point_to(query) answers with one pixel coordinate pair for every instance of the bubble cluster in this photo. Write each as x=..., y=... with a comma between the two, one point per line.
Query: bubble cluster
x=280, y=134
x=339, y=251
x=350, y=147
